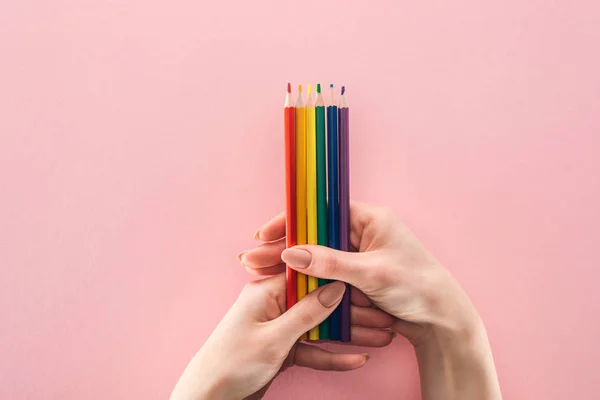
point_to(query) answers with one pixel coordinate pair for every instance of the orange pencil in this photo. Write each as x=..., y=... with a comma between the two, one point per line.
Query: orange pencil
x=301, y=234
x=290, y=190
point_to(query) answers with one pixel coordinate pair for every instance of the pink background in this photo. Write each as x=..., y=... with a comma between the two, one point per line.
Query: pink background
x=141, y=146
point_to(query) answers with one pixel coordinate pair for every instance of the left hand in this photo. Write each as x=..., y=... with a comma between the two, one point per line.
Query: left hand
x=257, y=339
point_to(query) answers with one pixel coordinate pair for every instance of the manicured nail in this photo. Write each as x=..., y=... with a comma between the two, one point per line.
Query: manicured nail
x=239, y=256
x=366, y=357
x=257, y=235
x=296, y=258
x=331, y=293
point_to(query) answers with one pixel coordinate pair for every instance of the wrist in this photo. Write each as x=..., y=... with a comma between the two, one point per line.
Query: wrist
x=214, y=387
x=460, y=342
x=458, y=365
x=454, y=357
x=198, y=383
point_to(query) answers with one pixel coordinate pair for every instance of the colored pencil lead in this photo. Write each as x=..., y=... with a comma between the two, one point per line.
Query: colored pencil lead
x=332, y=93
x=343, y=90
x=309, y=89
x=289, y=88
x=300, y=88
x=343, y=100
x=318, y=88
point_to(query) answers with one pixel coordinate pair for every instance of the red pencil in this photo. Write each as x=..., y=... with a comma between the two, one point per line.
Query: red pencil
x=290, y=191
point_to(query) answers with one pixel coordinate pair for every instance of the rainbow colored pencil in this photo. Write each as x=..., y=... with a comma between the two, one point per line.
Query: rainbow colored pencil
x=317, y=194
x=301, y=234
x=321, y=150
x=311, y=190
x=333, y=211
x=289, y=114
x=344, y=205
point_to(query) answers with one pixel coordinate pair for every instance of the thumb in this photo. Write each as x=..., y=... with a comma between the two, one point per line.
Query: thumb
x=323, y=262
x=309, y=312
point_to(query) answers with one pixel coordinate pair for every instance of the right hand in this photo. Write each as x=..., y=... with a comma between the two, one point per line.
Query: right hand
x=392, y=268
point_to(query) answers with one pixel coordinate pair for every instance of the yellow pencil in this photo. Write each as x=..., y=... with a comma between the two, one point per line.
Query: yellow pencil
x=301, y=288
x=311, y=189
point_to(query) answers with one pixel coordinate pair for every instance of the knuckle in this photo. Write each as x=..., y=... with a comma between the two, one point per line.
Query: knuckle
x=377, y=276
x=330, y=263
x=272, y=349
x=380, y=272
x=305, y=316
x=386, y=213
x=250, y=287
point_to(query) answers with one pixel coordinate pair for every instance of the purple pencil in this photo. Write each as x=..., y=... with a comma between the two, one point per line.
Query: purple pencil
x=344, y=189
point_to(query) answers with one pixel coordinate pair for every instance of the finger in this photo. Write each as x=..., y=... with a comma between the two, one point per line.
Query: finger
x=360, y=216
x=267, y=271
x=266, y=255
x=308, y=312
x=367, y=222
x=254, y=293
x=369, y=317
x=323, y=360
x=366, y=337
x=272, y=230
x=358, y=298
x=323, y=262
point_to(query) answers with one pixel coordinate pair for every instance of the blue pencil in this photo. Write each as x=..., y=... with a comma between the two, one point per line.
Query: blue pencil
x=333, y=211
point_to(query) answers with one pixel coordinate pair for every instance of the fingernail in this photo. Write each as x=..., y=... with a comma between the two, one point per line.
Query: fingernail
x=239, y=256
x=257, y=235
x=296, y=258
x=366, y=357
x=332, y=293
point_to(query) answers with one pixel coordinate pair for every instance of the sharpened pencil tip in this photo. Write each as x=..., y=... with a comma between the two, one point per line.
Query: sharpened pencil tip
x=289, y=87
x=331, y=86
x=300, y=88
x=318, y=88
x=309, y=91
x=343, y=90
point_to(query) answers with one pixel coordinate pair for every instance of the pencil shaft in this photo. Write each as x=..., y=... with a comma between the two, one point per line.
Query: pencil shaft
x=290, y=186
x=322, y=236
x=344, y=208
x=301, y=238
x=311, y=197
x=333, y=202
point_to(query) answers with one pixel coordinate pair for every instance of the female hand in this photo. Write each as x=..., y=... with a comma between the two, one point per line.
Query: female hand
x=256, y=340
x=398, y=275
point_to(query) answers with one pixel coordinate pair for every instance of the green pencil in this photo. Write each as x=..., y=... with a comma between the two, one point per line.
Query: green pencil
x=322, y=238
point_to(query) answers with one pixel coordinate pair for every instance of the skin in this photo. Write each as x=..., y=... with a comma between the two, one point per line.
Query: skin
x=398, y=285
x=257, y=340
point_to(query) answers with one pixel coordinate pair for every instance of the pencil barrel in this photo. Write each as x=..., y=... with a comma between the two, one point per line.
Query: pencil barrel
x=344, y=198
x=311, y=196
x=290, y=209
x=322, y=223
x=333, y=203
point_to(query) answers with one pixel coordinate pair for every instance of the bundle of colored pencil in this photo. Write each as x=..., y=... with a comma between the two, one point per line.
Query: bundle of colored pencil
x=317, y=193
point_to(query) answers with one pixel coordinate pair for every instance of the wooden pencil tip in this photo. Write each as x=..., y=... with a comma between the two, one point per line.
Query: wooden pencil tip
x=289, y=87
x=318, y=88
